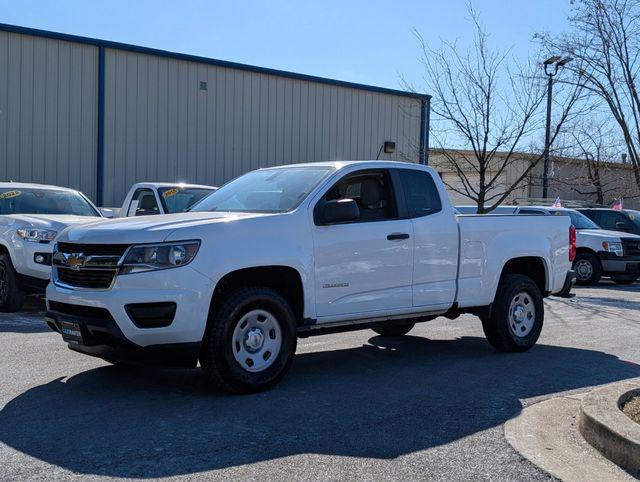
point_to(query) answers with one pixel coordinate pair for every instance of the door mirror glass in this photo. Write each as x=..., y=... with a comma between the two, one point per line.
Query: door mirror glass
x=340, y=211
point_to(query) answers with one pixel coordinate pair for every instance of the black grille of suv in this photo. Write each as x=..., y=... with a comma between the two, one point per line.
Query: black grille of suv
x=631, y=247
x=93, y=249
x=91, y=266
x=86, y=278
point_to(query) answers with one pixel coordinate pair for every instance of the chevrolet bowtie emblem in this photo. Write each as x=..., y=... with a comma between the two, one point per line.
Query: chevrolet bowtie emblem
x=75, y=261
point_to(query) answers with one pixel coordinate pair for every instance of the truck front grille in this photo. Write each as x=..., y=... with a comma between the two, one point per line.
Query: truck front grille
x=89, y=266
x=630, y=247
x=86, y=278
x=93, y=249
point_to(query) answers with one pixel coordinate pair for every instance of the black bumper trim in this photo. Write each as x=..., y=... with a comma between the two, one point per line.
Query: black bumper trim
x=33, y=285
x=103, y=339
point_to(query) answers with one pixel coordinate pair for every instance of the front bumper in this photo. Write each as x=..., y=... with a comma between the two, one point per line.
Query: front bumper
x=110, y=331
x=102, y=338
x=614, y=264
x=23, y=259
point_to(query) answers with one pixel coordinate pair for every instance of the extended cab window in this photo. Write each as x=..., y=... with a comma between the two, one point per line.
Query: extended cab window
x=371, y=190
x=143, y=203
x=420, y=193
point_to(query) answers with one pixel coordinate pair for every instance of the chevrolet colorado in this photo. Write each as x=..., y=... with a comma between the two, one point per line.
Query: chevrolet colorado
x=294, y=251
x=31, y=215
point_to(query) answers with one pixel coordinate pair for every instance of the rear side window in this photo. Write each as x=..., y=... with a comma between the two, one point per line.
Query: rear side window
x=143, y=203
x=420, y=193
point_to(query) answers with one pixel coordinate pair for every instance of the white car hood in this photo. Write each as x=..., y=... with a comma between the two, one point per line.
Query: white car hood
x=56, y=222
x=148, y=229
x=606, y=234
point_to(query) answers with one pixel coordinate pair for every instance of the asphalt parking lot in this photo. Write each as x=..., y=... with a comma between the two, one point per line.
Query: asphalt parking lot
x=357, y=406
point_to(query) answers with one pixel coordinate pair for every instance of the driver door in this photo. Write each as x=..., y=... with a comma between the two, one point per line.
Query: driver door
x=363, y=266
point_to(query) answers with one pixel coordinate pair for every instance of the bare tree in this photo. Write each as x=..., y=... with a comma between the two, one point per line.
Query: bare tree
x=489, y=105
x=605, y=43
x=593, y=142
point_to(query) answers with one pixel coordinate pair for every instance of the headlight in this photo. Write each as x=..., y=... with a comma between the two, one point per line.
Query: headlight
x=613, y=247
x=37, y=235
x=151, y=257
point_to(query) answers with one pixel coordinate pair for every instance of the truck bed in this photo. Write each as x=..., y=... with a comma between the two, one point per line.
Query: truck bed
x=486, y=242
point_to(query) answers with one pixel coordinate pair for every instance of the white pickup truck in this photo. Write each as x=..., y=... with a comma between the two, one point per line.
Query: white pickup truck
x=294, y=251
x=31, y=215
x=149, y=198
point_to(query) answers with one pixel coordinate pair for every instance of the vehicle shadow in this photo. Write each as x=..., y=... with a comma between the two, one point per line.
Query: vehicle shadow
x=30, y=319
x=384, y=399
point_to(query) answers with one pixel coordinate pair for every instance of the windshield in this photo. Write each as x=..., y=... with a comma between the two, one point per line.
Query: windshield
x=179, y=199
x=579, y=220
x=44, y=201
x=275, y=190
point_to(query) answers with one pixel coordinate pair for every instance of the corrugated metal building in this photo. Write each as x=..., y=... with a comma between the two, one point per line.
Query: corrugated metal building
x=99, y=116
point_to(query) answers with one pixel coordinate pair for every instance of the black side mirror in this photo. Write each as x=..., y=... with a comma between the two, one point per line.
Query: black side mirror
x=339, y=211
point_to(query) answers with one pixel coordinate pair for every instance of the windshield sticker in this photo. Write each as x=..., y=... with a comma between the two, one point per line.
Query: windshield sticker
x=9, y=194
x=558, y=213
x=632, y=216
x=170, y=192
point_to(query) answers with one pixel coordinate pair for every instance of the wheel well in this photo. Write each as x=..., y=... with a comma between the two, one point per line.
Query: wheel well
x=529, y=266
x=284, y=279
x=586, y=250
x=3, y=249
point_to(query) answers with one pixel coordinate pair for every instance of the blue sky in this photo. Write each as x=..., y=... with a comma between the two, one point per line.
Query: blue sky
x=360, y=41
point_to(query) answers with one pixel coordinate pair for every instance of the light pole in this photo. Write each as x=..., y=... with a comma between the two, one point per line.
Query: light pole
x=551, y=66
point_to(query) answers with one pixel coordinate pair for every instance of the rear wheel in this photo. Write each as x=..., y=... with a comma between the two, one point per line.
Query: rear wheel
x=399, y=329
x=517, y=315
x=250, y=341
x=624, y=280
x=588, y=269
x=11, y=294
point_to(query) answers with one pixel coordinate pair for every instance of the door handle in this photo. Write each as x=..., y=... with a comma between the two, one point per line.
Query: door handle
x=397, y=236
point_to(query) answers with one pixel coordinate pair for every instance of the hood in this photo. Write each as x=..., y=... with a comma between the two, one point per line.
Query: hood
x=149, y=229
x=604, y=233
x=56, y=222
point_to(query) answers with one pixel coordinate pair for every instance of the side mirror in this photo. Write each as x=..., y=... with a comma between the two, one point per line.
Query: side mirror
x=339, y=211
x=622, y=226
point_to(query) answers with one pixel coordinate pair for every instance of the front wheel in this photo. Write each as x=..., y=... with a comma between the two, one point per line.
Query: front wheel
x=588, y=269
x=250, y=341
x=517, y=315
x=624, y=280
x=11, y=294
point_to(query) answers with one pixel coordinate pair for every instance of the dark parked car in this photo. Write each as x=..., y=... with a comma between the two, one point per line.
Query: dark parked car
x=626, y=220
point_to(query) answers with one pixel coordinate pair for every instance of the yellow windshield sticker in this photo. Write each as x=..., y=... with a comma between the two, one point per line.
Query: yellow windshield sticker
x=9, y=194
x=632, y=216
x=558, y=213
x=170, y=192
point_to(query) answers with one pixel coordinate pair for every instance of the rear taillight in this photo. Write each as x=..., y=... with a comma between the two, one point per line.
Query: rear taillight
x=572, y=243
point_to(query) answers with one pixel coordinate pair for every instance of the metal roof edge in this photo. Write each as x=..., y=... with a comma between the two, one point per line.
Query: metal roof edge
x=205, y=60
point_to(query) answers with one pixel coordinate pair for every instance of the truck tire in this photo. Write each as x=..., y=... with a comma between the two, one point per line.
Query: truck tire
x=624, y=279
x=250, y=341
x=517, y=315
x=588, y=269
x=399, y=329
x=11, y=294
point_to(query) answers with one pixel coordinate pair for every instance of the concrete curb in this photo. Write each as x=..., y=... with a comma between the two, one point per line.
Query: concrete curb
x=546, y=433
x=604, y=425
